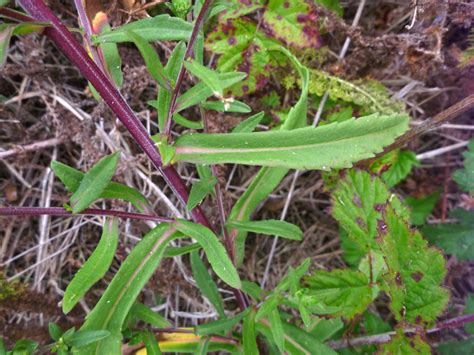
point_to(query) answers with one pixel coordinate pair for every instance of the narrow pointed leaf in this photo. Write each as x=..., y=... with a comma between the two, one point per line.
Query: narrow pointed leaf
x=158, y=28
x=95, y=266
x=82, y=338
x=6, y=32
x=269, y=227
x=215, y=251
x=183, y=121
x=277, y=329
x=150, y=342
x=177, y=251
x=71, y=178
x=114, y=305
x=249, y=124
x=249, y=335
x=206, y=75
x=230, y=106
x=94, y=182
x=152, y=61
x=199, y=191
x=221, y=325
x=206, y=284
x=145, y=314
x=336, y=145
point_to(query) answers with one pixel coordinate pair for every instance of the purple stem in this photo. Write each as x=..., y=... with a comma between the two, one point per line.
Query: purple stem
x=59, y=211
x=182, y=70
x=79, y=57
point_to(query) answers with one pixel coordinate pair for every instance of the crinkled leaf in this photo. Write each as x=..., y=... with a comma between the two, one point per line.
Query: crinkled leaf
x=348, y=290
x=421, y=208
x=465, y=177
x=415, y=271
x=401, y=345
x=336, y=145
x=114, y=305
x=71, y=178
x=357, y=202
x=215, y=251
x=269, y=227
x=294, y=22
x=395, y=166
x=206, y=284
x=199, y=191
x=455, y=239
x=158, y=28
x=94, y=268
x=94, y=182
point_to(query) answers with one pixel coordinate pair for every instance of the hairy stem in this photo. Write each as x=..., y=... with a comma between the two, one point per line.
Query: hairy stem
x=66, y=42
x=59, y=211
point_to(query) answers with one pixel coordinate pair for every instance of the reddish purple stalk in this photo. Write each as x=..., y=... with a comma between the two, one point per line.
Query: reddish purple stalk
x=59, y=211
x=79, y=57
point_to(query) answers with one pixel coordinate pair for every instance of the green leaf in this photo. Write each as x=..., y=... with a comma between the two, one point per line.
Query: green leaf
x=203, y=347
x=469, y=309
x=249, y=336
x=167, y=151
x=373, y=324
x=401, y=345
x=465, y=177
x=83, y=338
x=215, y=251
x=95, y=266
x=152, y=61
x=294, y=22
x=297, y=341
x=249, y=124
x=6, y=32
x=177, y=251
x=114, y=305
x=396, y=166
x=268, y=306
x=94, y=182
x=24, y=347
x=242, y=47
x=221, y=325
x=455, y=239
x=332, y=5
x=71, y=178
x=200, y=92
x=421, y=208
x=253, y=290
x=456, y=347
x=324, y=329
x=206, y=75
x=370, y=95
x=55, y=331
x=337, y=145
x=145, y=314
x=112, y=60
x=183, y=121
x=150, y=342
x=172, y=68
x=415, y=271
x=158, y=28
x=269, y=227
x=357, y=203
x=277, y=329
x=206, y=284
x=199, y=191
x=228, y=105
x=349, y=291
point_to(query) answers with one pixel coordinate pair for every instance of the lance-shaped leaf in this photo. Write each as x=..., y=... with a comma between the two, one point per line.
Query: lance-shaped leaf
x=152, y=61
x=347, y=290
x=199, y=191
x=249, y=124
x=206, y=75
x=227, y=105
x=215, y=251
x=415, y=271
x=95, y=266
x=71, y=178
x=336, y=145
x=145, y=314
x=94, y=182
x=158, y=28
x=114, y=305
x=249, y=335
x=6, y=32
x=206, y=284
x=221, y=325
x=269, y=227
